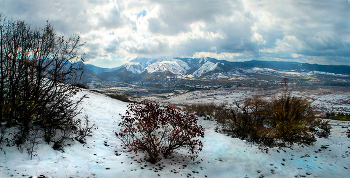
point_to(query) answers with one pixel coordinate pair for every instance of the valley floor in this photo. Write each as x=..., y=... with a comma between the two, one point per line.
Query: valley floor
x=325, y=100
x=222, y=156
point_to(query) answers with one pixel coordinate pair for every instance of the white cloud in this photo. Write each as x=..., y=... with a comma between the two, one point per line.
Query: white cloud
x=220, y=56
x=258, y=39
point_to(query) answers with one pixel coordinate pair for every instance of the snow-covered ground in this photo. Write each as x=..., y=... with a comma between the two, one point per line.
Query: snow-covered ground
x=222, y=156
x=328, y=101
x=325, y=100
x=219, y=96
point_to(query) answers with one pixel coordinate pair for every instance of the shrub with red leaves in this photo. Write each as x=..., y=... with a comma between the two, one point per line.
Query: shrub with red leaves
x=158, y=130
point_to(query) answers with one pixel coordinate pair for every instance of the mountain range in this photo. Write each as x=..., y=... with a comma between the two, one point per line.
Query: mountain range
x=151, y=69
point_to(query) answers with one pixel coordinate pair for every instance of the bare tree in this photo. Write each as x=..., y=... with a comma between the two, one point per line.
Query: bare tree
x=38, y=72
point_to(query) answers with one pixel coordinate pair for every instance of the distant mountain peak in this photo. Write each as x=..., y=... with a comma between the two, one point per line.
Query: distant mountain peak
x=177, y=67
x=134, y=67
x=185, y=67
x=203, y=60
x=161, y=64
x=204, y=68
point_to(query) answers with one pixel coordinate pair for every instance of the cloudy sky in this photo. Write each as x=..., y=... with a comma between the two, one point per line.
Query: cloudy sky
x=116, y=31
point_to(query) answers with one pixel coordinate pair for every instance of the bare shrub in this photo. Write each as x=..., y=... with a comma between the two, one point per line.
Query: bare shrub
x=282, y=119
x=158, y=130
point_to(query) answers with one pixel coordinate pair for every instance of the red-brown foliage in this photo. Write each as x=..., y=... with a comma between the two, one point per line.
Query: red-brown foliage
x=159, y=130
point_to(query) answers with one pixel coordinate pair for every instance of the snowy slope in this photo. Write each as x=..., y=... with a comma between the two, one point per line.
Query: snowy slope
x=191, y=68
x=206, y=67
x=161, y=64
x=164, y=64
x=134, y=67
x=171, y=66
x=222, y=156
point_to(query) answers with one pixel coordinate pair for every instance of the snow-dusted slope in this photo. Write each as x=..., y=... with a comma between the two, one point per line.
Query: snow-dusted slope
x=171, y=66
x=163, y=64
x=206, y=67
x=134, y=67
x=175, y=66
x=222, y=156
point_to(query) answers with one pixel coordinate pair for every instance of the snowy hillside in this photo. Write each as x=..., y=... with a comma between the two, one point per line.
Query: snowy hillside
x=262, y=73
x=162, y=64
x=222, y=156
x=171, y=66
x=206, y=67
x=134, y=67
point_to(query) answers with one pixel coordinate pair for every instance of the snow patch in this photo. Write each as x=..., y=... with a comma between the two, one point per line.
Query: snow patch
x=327, y=73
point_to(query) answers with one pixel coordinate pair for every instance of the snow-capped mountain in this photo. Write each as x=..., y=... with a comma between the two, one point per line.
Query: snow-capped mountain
x=134, y=67
x=192, y=67
x=158, y=69
x=176, y=67
x=206, y=67
x=162, y=64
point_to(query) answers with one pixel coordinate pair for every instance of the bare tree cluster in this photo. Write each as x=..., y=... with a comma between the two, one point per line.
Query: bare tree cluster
x=38, y=71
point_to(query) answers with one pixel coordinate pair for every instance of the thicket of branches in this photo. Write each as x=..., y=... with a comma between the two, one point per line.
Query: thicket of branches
x=281, y=119
x=38, y=71
x=158, y=130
